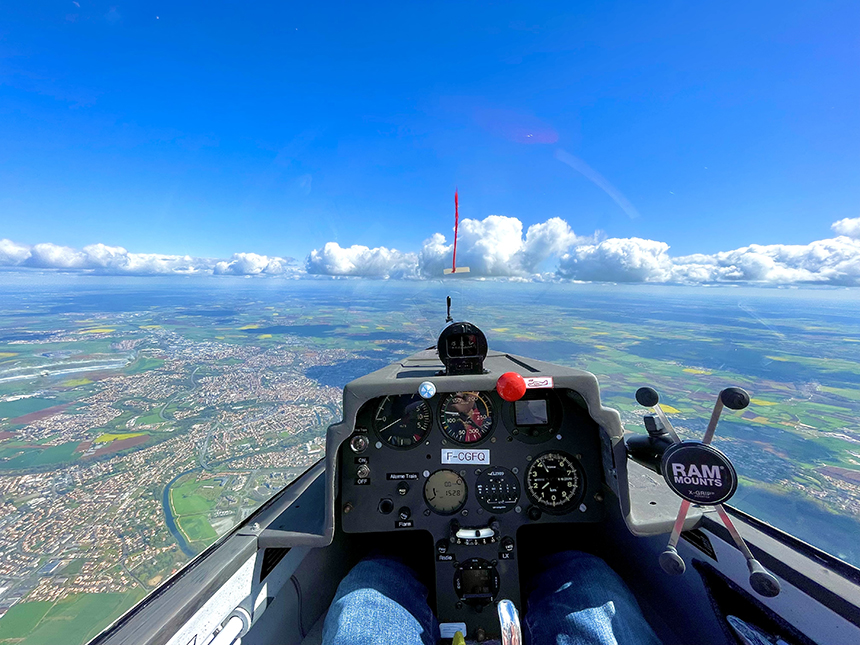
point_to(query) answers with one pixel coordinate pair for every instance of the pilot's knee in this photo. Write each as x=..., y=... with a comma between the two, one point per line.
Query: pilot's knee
x=577, y=578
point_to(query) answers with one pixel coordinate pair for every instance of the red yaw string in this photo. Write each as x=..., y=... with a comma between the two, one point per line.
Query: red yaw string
x=456, y=226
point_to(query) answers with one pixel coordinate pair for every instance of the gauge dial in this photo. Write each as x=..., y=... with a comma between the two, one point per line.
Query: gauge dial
x=467, y=417
x=554, y=482
x=497, y=490
x=402, y=421
x=445, y=492
x=462, y=345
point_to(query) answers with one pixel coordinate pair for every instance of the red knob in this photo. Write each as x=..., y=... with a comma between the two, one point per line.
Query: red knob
x=511, y=386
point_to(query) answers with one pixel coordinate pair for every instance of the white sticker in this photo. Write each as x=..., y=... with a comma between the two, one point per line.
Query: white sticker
x=534, y=382
x=449, y=630
x=464, y=456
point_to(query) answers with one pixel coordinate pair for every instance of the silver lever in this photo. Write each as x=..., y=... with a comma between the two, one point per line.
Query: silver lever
x=509, y=619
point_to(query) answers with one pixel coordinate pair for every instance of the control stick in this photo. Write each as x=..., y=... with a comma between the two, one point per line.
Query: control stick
x=509, y=620
x=699, y=474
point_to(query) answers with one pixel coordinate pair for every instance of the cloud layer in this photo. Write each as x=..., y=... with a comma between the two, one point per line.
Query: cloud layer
x=495, y=246
x=115, y=260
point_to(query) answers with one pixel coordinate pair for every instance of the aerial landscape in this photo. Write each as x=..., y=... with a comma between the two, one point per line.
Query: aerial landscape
x=215, y=216
x=141, y=421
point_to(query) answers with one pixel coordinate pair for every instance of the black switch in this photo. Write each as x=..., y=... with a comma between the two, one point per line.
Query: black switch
x=507, y=544
x=402, y=488
x=404, y=513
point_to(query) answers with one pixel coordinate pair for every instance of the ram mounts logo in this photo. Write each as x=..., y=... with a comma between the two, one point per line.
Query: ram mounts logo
x=701, y=475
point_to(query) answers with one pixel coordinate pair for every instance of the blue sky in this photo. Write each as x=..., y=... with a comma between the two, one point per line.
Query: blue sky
x=213, y=128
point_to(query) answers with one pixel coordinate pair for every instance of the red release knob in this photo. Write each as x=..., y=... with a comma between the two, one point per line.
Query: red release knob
x=511, y=386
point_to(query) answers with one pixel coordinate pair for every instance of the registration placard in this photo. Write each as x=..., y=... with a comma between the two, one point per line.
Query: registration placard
x=465, y=456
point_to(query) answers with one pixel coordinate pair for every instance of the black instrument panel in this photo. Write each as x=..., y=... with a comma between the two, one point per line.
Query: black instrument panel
x=472, y=469
x=534, y=453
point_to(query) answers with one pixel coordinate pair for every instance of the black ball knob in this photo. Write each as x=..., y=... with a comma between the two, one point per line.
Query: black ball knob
x=735, y=398
x=647, y=397
x=763, y=582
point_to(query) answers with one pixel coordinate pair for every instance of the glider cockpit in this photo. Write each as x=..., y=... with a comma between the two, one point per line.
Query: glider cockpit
x=470, y=466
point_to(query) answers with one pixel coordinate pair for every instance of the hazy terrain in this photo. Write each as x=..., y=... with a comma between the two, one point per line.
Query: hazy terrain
x=142, y=418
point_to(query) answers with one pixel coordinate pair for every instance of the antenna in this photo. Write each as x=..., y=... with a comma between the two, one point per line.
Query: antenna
x=449, y=319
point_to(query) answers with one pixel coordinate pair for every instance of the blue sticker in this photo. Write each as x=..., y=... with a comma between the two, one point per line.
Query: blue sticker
x=427, y=390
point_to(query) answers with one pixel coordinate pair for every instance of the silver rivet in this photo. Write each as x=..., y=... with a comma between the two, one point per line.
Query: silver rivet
x=378, y=445
x=582, y=508
x=518, y=509
x=426, y=473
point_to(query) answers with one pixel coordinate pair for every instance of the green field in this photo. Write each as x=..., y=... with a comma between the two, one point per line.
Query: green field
x=72, y=621
x=190, y=503
x=144, y=364
x=21, y=619
x=49, y=456
x=12, y=409
x=74, y=567
x=190, y=498
x=149, y=419
x=197, y=528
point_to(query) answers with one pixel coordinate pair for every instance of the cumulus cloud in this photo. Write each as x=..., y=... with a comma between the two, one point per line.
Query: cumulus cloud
x=495, y=246
x=850, y=227
x=253, y=264
x=618, y=260
x=115, y=260
x=834, y=261
x=358, y=260
x=51, y=256
x=12, y=254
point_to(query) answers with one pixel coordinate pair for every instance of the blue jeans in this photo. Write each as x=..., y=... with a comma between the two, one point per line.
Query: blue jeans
x=576, y=600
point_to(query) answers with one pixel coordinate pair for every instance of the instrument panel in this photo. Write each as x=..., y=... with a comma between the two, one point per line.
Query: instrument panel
x=472, y=469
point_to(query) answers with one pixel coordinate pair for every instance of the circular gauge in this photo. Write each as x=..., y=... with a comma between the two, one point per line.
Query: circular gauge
x=467, y=417
x=554, y=482
x=497, y=490
x=445, y=492
x=402, y=421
